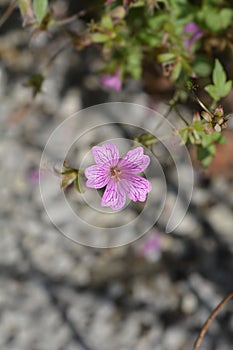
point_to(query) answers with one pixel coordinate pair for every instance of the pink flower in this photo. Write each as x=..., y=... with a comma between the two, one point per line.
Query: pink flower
x=33, y=176
x=112, y=80
x=151, y=247
x=195, y=34
x=118, y=175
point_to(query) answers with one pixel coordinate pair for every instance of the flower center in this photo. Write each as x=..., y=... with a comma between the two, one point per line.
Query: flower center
x=115, y=172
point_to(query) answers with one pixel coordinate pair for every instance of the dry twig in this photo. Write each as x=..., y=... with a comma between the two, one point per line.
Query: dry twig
x=209, y=320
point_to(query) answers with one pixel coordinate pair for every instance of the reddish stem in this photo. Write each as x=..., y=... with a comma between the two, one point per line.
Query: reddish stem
x=209, y=320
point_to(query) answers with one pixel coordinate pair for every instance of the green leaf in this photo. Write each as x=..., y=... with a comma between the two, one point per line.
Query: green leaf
x=35, y=82
x=106, y=22
x=218, y=20
x=227, y=88
x=40, y=8
x=149, y=39
x=205, y=156
x=166, y=57
x=156, y=22
x=219, y=75
x=146, y=139
x=99, y=38
x=133, y=63
x=226, y=15
x=221, y=86
x=209, y=139
x=176, y=71
x=222, y=140
x=202, y=66
x=185, y=136
x=211, y=89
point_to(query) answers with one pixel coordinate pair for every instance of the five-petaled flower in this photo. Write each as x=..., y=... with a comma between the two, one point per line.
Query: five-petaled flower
x=118, y=175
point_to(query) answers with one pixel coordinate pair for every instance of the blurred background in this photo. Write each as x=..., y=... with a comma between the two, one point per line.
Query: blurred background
x=154, y=294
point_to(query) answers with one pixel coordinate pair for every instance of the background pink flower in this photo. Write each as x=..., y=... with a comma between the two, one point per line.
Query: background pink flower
x=151, y=248
x=195, y=34
x=118, y=175
x=112, y=80
x=33, y=176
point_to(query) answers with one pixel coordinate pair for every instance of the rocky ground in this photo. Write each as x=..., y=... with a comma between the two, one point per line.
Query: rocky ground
x=153, y=294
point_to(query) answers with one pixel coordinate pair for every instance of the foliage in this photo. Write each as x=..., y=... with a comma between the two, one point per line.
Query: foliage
x=69, y=176
x=175, y=35
x=40, y=8
x=221, y=86
x=205, y=133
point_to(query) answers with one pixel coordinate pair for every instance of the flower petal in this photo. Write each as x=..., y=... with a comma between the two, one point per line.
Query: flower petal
x=136, y=187
x=195, y=34
x=112, y=80
x=107, y=154
x=134, y=161
x=114, y=195
x=97, y=176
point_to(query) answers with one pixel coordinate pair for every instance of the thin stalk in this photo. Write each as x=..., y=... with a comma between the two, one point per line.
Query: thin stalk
x=209, y=320
x=8, y=12
x=50, y=61
x=180, y=115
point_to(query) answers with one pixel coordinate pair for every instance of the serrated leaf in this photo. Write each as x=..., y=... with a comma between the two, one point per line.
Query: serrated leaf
x=211, y=89
x=40, y=8
x=208, y=140
x=217, y=20
x=226, y=15
x=227, y=88
x=205, y=155
x=221, y=87
x=219, y=75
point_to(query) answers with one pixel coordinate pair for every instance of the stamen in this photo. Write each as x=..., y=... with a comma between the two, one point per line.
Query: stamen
x=115, y=172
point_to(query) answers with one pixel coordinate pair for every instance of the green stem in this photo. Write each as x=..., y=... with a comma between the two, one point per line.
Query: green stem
x=213, y=105
x=180, y=115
